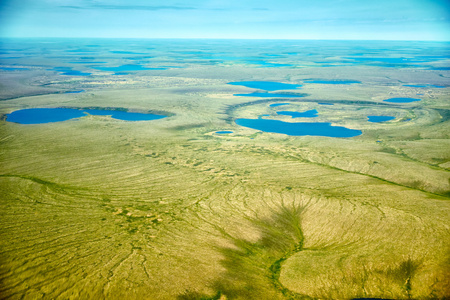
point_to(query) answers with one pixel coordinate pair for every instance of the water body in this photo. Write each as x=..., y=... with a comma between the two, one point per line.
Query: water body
x=224, y=132
x=267, y=85
x=126, y=52
x=126, y=68
x=299, y=129
x=278, y=104
x=270, y=95
x=379, y=119
x=401, y=100
x=306, y=114
x=439, y=68
x=320, y=81
x=425, y=86
x=326, y=103
x=74, y=92
x=13, y=69
x=51, y=115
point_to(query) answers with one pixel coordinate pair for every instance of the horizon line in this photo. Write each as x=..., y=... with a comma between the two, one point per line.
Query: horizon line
x=210, y=38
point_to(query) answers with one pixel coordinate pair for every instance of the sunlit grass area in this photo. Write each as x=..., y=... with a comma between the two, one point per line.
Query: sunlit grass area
x=99, y=208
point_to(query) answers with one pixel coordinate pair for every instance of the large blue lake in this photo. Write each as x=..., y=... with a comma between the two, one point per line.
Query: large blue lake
x=299, y=129
x=267, y=85
x=50, y=115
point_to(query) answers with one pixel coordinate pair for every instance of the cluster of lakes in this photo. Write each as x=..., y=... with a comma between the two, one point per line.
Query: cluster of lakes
x=50, y=115
x=301, y=128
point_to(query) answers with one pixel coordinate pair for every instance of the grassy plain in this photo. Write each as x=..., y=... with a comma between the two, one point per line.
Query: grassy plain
x=97, y=208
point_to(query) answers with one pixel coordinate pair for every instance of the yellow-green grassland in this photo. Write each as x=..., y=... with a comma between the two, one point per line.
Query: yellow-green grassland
x=99, y=208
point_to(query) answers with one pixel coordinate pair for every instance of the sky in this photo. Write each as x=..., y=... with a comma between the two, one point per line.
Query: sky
x=228, y=19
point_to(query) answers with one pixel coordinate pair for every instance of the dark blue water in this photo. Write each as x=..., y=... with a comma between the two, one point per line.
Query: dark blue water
x=425, y=86
x=333, y=81
x=298, y=129
x=267, y=85
x=440, y=68
x=306, y=114
x=278, y=104
x=378, y=119
x=126, y=68
x=224, y=132
x=401, y=100
x=50, y=115
x=326, y=103
x=74, y=92
x=43, y=115
x=270, y=95
x=13, y=69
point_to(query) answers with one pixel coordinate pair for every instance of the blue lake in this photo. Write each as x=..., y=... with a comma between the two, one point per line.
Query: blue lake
x=378, y=119
x=13, y=69
x=267, y=85
x=50, y=115
x=270, y=95
x=224, y=132
x=306, y=114
x=401, y=100
x=424, y=86
x=439, y=68
x=299, y=129
x=74, y=92
x=126, y=52
x=278, y=104
x=332, y=81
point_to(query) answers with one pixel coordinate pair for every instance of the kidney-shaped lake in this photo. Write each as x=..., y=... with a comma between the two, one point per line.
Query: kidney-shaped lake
x=50, y=115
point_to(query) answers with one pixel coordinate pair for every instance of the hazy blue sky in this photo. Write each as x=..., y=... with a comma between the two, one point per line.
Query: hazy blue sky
x=284, y=19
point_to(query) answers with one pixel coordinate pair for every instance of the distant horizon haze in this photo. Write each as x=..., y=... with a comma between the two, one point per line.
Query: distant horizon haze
x=384, y=20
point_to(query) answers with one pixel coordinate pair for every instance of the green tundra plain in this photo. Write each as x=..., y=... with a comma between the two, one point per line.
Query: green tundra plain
x=99, y=208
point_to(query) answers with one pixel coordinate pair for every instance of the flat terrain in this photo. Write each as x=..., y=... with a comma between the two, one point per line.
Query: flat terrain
x=98, y=208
